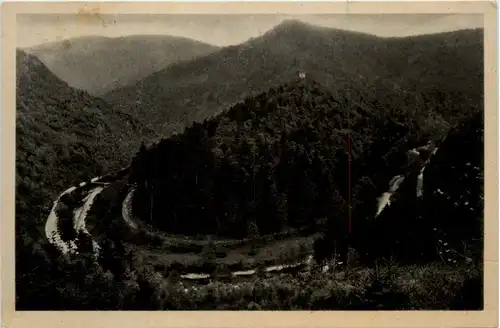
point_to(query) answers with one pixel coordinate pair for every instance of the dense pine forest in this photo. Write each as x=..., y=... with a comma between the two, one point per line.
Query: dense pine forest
x=302, y=193
x=291, y=157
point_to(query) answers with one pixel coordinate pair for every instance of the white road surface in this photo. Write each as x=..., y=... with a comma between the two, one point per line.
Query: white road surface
x=127, y=210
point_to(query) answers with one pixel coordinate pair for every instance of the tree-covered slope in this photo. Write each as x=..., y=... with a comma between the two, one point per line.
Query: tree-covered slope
x=285, y=159
x=63, y=137
x=444, y=67
x=294, y=156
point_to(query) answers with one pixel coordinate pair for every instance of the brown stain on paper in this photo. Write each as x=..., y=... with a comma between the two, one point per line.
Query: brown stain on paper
x=88, y=14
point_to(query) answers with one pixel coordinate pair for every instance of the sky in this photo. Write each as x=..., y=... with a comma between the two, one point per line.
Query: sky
x=224, y=30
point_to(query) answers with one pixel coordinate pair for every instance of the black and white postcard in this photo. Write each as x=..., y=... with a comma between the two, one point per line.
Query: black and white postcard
x=243, y=158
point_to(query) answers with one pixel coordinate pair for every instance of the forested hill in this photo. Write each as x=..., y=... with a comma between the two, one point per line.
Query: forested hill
x=450, y=62
x=63, y=136
x=280, y=160
x=101, y=64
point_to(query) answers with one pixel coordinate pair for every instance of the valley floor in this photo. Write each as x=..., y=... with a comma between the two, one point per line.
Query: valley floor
x=269, y=273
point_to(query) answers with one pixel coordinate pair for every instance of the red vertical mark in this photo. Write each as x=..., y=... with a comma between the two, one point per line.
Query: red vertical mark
x=349, y=180
x=348, y=136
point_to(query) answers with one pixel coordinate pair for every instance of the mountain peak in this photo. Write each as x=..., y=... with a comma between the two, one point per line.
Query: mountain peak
x=296, y=26
x=290, y=23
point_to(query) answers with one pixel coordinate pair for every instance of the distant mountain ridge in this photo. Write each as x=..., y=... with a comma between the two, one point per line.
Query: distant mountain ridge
x=410, y=66
x=99, y=64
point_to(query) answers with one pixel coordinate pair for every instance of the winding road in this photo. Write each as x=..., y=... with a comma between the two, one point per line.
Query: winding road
x=127, y=210
x=80, y=215
x=51, y=226
x=385, y=199
x=420, y=178
x=251, y=272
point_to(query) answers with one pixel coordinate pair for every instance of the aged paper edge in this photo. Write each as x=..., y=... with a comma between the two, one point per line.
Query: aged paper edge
x=125, y=319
